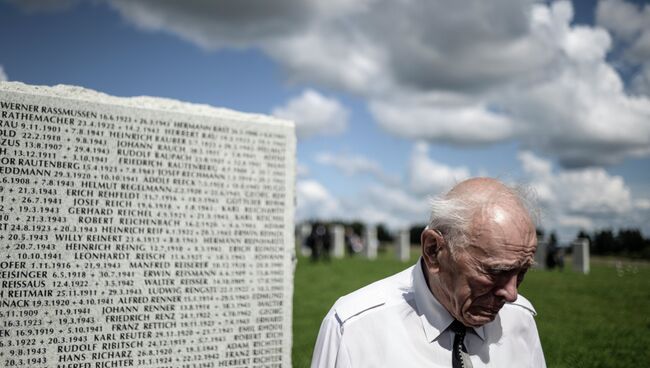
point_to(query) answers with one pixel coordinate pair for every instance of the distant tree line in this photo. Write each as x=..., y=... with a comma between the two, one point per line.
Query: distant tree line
x=625, y=242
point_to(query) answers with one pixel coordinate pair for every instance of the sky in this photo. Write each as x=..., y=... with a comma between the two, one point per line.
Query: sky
x=394, y=100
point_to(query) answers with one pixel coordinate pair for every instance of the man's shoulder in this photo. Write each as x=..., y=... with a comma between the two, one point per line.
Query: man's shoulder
x=393, y=289
x=521, y=304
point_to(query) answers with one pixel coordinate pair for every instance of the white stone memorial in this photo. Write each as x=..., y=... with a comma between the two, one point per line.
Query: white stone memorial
x=581, y=255
x=403, y=245
x=338, y=241
x=370, y=241
x=142, y=232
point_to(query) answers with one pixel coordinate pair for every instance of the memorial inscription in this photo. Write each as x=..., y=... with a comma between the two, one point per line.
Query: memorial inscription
x=142, y=237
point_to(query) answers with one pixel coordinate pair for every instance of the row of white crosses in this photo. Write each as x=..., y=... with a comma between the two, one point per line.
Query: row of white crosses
x=581, y=255
x=580, y=251
x=403, y=246
x=370, y=241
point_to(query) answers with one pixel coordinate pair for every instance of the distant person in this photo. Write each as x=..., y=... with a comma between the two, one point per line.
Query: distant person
x=353, y=242
x=458, y=306
x=319, y=241
x=551, y=256
x=560, y=259
x=554, y=256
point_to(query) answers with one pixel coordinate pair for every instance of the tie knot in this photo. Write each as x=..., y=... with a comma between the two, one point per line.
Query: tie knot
x=458, y=328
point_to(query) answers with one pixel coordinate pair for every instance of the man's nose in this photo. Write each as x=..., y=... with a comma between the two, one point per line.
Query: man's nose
x=508, y=289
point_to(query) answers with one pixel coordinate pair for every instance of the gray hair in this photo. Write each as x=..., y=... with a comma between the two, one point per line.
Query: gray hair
x=452, y=216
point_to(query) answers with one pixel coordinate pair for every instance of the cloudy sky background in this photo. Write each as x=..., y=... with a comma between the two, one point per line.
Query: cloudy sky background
x=394, y=100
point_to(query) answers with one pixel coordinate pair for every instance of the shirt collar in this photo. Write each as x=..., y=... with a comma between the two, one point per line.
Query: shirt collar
x=434, y=317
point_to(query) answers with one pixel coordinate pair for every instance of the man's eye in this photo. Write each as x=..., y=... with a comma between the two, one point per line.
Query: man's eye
x=500, y=273
x=520, y=276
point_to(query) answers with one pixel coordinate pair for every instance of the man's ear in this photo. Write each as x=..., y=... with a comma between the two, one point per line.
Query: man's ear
x=432, y=242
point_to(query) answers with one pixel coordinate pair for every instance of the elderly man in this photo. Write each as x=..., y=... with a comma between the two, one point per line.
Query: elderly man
x=458, y=306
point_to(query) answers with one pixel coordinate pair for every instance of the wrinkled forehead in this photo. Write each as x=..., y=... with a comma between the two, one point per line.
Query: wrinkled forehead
x=503, y=231
x=494, y=259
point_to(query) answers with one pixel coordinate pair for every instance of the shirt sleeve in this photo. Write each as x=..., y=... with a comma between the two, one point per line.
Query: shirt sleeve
x=537, y=354
x=329, y=352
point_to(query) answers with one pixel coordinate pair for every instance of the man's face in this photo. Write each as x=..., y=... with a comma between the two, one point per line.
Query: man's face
x=478, y=279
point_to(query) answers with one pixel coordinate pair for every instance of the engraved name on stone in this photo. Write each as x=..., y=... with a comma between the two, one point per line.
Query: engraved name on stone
x=142, y=233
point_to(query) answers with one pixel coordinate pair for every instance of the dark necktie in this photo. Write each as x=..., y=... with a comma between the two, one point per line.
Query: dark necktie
x=459, y=357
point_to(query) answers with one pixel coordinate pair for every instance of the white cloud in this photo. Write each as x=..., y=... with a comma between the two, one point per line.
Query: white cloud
x=565, y=106
x=461, y=72
x=640, y=83
x=390, y=202
x=541, y=170
x=429, y=177
x=590, y=191
x=588, y=198
x=574, y=222
x=586, y=44
x=398, y=201
x=302, y=170
x=314, y=201
x=642, y=204
x=584, y=121
x=353, y=164
x=214, y=24
x=630, y=25
x=625, y=20
x=314, y=114
x=375, y=204
x=222, y=23
x=3, y=75
x=580, y=112
x=329, y=57
x=391, y=206
x=349, y=164
x=457, y=124
x=370, y=214
x=535, y=166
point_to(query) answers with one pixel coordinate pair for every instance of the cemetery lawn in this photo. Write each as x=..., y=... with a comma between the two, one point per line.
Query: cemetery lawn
x=596, y=320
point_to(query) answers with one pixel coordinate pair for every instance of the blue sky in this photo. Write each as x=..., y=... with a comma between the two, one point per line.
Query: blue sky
x=393, y=101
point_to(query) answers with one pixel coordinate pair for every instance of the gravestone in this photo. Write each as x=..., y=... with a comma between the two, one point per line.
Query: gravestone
x=581, y=255
x=370, y=241
x=338, y=241
x=540, y=255
x=403, y=245
x=142, y=232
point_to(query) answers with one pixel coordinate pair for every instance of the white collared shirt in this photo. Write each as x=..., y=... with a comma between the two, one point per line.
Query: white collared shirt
x=397, y=322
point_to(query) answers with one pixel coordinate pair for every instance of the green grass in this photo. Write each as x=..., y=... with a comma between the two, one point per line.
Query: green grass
x=596, y=320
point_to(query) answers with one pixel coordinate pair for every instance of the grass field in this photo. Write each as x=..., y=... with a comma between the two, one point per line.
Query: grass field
x=596, y=320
